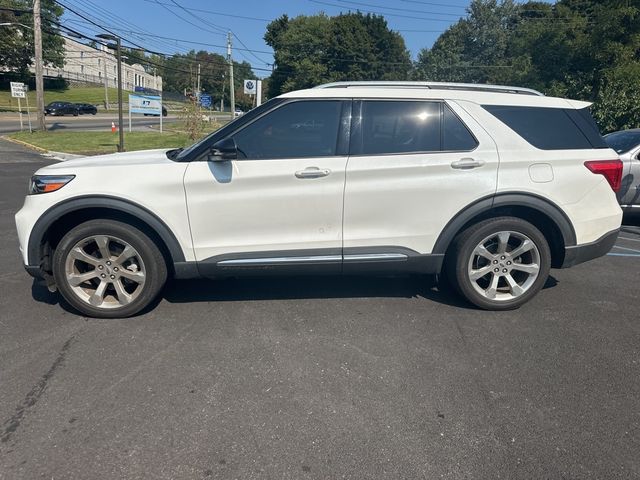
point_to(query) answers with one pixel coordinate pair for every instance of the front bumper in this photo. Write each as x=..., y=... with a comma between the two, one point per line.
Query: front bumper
x=588, y=251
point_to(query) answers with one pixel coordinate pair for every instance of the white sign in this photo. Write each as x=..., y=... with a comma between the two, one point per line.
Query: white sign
x=250, y=87
x=18, y=90
x=149, y=104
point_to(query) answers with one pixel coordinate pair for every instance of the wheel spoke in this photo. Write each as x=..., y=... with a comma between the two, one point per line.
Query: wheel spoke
x=137, y=277
x=76, y=279
x=493, y=288
x=530, y=268
x=481, y=272
x=503, y=241
x=123, y=297
x=523, y=248
x=79, y=254
x=103, y=245
x=98, y=296
x=126, y=254
x=516, y=290
x=482, y=251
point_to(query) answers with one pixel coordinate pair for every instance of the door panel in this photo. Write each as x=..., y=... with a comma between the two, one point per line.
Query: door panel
x=261, y=205
x=630, y=191
x=283, y=196
x=405, y=200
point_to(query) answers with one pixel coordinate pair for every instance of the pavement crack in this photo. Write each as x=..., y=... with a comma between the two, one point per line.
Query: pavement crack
x=31, y=399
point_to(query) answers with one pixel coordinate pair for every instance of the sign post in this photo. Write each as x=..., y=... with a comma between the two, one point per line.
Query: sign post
x=145, y=104
x=26, y=97
x=18, y=91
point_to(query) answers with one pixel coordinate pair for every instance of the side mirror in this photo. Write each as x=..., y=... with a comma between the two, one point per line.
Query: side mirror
x=225, y=149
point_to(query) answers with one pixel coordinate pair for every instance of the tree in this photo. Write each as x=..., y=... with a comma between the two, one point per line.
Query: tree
x=17, y=48
x=310, y=50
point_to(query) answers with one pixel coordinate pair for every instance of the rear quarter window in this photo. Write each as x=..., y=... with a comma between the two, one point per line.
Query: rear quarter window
x=550, y=128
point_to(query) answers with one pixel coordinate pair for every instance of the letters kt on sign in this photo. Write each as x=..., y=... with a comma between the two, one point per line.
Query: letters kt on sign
x=149, y=104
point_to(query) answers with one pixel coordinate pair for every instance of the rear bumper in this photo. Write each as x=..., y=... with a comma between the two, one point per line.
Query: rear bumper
x=588, y=251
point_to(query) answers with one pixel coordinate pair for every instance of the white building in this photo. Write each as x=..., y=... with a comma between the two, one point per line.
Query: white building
x=86, y=64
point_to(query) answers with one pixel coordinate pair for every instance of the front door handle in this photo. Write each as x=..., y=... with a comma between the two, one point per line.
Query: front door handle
x=313, y=172
x=466, y=164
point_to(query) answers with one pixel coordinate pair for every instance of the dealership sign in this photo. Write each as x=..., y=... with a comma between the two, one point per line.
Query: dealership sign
x=146, y=104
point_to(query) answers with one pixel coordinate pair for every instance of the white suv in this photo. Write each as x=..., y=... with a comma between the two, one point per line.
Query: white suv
x=490, y=185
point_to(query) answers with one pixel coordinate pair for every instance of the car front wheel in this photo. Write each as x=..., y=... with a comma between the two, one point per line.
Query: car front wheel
x=108, y=269
x=500, y=263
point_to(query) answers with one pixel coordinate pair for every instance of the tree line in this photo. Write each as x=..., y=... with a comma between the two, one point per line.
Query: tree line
x=581, y=49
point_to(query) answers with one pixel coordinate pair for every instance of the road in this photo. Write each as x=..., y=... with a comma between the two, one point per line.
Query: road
x=10, y=123
x=300, y=378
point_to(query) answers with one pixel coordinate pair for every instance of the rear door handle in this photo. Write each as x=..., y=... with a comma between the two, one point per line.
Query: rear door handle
x=466, y=164
x=313, y=172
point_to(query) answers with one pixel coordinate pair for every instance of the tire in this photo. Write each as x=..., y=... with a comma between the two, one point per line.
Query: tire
x=482, y=267
x=118, y=283
x=76, y=113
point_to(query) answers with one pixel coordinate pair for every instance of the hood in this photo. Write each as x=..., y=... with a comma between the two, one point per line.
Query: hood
x=142, y=157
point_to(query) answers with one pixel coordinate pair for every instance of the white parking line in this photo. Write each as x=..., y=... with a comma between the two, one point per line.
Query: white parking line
x=623, y=255
x=627, y=238
x=625, y=248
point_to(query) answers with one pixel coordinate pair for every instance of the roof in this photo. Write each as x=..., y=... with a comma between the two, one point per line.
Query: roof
x=481, y=94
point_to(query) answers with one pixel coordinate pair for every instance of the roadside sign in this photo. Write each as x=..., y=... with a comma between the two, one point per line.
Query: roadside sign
x=205, y=100
x=250, y=87
x=149, y=104
x=18, y=90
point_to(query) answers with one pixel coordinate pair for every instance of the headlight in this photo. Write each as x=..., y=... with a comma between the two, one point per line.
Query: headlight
x=48, y=183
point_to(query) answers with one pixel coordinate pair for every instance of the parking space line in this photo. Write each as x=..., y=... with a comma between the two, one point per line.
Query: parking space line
x=623, y=255
x=625, y=248
x=631, y=239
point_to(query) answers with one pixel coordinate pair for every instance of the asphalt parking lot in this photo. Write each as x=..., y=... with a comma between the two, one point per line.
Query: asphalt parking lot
x=320, y=378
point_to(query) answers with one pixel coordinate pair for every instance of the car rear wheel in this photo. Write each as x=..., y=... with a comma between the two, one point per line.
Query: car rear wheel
x=500, y=263
x=108, y=269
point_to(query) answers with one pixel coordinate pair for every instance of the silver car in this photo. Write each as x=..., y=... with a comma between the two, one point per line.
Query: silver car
x=627, y=144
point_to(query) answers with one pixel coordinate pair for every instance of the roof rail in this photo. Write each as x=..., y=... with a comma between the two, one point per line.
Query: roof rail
x=434, y=85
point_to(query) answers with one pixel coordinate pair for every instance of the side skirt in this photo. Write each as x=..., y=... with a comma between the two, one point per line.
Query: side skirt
x=353, y=261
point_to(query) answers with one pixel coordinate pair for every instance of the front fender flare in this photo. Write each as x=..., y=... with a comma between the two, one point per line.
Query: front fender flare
x=57, y=211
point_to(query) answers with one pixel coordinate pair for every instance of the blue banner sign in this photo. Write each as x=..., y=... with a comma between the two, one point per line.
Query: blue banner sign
x=205, y=100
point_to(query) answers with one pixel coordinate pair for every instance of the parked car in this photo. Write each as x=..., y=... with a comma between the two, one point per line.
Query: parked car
x=164, y=113
x=86, y=108
x=491, y=185
x=238, y=112
x=61, y=108
x=626, y=143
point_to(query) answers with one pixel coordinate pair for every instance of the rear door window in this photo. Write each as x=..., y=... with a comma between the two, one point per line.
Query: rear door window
x=399, y=127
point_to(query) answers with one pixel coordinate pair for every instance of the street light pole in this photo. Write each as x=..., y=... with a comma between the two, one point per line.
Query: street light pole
x=117, y=46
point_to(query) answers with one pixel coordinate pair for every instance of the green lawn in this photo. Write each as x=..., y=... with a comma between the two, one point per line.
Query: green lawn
x=93, y=95
x=91, y=143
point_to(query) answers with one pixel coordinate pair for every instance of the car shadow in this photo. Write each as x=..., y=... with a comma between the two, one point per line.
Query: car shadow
x=291, y=288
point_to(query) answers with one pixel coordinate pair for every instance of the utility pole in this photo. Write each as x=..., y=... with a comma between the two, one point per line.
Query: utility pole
x=106, y=81
x=117, y=46
x=198, y=90
x=231, y=87
x=37, y=38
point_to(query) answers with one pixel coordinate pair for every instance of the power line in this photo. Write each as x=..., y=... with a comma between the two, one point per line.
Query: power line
x=216, y=13
x=397, y=9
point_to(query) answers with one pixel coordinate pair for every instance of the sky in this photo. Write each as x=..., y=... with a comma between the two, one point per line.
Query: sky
x=181, y=21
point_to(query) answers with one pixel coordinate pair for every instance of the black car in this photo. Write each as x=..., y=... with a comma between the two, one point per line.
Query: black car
x=61, y=108
x=86, y=108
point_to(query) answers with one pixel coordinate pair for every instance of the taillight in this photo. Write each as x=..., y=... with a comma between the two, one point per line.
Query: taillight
x=610, y=169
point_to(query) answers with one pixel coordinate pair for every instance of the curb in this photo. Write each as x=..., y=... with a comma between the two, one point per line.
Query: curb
x=25, y=144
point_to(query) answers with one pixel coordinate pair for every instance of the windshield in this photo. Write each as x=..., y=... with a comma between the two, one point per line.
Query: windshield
x=622, y=142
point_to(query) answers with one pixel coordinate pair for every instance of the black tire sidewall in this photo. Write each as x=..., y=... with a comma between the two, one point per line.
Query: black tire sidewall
x=471, y=237
x=154, y=262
